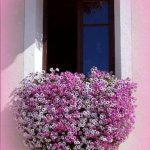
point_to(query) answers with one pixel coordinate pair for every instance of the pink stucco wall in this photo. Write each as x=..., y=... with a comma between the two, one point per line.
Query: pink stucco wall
x=140, y=138
x=12, y=47
x=12, y=37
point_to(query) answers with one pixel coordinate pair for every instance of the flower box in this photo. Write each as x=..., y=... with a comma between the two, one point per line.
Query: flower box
x=69, y=111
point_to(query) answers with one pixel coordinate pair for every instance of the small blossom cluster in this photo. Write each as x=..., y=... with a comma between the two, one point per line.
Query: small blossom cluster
x=68, y=111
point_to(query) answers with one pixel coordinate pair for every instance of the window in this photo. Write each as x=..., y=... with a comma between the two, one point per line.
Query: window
x=76, y=38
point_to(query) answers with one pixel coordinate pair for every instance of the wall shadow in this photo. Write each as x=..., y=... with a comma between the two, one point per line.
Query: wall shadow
x=13, y=27
x=9, y=134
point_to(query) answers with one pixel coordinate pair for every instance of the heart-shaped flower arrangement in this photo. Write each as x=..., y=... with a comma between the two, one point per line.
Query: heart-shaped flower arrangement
x=68, y=111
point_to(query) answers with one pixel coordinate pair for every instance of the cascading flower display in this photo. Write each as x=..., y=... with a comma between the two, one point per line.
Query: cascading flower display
x=69, y=111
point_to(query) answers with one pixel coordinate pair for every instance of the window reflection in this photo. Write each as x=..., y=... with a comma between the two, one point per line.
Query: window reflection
x=95, y=48
x=97, y=15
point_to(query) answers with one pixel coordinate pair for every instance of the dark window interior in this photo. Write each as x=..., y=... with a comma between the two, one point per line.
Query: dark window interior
x=76, y=40
x=96, y=39
x=62, y=35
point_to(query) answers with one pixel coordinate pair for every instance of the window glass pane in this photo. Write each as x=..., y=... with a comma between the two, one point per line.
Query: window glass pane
x=99, y=15
x=62, y=35
x=95, y=48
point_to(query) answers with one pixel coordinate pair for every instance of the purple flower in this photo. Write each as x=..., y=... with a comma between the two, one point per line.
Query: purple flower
x=67, y=111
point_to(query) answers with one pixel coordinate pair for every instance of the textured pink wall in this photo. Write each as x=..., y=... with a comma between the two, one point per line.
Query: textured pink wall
x=141, y=71
x=12, y=43
x=12, y=71
x=140, y=138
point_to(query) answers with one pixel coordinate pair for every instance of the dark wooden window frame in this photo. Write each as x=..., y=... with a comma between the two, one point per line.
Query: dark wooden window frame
x=80, y=36
x=45, y=33
x=111, y=37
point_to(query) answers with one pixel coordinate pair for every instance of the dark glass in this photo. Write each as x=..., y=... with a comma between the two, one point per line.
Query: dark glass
x=98, y=15
x=95, y=48
x=77, y=40
x=62, y=35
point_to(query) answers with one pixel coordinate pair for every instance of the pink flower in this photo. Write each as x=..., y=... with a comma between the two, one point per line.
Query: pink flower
x=71, y=111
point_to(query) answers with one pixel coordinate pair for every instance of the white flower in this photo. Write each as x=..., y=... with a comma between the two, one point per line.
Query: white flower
x=51, y=70
x=57, y=69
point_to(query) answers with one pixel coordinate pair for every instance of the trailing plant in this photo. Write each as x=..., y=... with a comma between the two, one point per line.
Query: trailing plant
x=69, y=111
